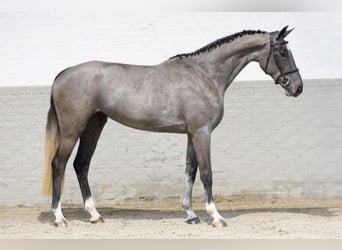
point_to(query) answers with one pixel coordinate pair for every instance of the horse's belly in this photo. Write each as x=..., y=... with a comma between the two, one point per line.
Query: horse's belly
x=146, y=119
x=172, y=127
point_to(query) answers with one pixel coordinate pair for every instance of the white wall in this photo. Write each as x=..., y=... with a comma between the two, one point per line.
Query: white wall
x=34, y=47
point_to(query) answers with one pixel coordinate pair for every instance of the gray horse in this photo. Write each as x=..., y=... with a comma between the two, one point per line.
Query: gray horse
x=184, y=94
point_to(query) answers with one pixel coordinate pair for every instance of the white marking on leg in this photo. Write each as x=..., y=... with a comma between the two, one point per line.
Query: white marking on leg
x=60, y=220
x=211, y=209
x=89, y=205
x=190, y=213
x=188, y=209
x=187, y=203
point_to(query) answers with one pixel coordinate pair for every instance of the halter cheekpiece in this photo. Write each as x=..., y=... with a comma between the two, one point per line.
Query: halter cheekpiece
x=279, y=66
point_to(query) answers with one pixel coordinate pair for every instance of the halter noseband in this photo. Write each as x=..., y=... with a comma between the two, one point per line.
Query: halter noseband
x=282, y=72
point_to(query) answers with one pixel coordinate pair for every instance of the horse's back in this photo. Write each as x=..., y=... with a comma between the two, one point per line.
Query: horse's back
x=87, y=80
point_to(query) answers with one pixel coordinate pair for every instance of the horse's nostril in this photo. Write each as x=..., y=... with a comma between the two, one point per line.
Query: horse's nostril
x=299, y=90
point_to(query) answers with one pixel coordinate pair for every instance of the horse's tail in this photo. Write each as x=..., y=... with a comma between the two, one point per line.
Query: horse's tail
x=51, y=145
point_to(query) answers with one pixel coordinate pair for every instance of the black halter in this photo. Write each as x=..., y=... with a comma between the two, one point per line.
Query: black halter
x=285, y=81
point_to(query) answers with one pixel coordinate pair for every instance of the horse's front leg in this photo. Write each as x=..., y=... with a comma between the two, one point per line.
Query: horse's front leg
x=190, y=175
x=201, y=142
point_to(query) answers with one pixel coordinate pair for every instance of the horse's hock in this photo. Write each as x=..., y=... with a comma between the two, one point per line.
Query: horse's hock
x=266, y=145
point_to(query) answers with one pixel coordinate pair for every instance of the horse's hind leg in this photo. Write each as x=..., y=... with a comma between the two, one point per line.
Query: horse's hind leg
x=88, y=142
x=66, y=144
x=190, y=175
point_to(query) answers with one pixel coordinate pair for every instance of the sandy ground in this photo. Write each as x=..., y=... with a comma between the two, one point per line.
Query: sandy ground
x=247, y=219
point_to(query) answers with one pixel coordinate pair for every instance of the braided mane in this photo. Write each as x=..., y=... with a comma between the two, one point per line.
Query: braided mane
x=218, y=43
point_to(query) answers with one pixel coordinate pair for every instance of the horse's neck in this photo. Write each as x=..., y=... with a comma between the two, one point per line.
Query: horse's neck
x=224, y=63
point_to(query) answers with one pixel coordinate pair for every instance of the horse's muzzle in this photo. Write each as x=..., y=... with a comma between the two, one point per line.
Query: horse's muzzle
x=298, y=91
x=290, y=90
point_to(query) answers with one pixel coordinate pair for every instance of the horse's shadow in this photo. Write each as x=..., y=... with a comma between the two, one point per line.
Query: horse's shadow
x=79, y=214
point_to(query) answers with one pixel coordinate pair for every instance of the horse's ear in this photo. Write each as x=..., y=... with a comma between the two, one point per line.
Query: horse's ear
x=284, y=32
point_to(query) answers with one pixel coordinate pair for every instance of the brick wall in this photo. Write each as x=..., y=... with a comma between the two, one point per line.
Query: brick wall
x=267, y=144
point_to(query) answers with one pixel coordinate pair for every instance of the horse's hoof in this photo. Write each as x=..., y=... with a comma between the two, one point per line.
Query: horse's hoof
x=194, y=220
x=219, y=223
x=97, y=221
x=62, y=223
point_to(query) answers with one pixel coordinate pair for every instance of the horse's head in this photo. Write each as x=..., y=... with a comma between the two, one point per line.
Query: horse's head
x=280, y=65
